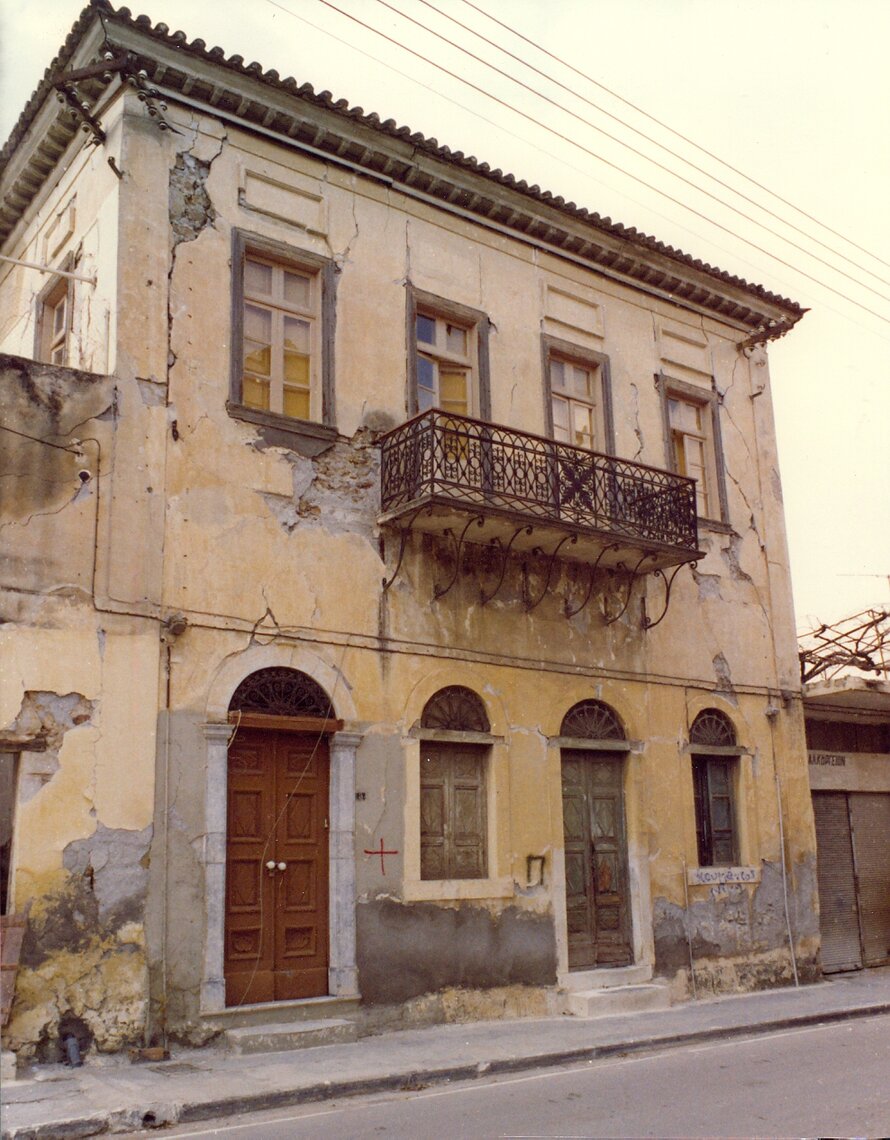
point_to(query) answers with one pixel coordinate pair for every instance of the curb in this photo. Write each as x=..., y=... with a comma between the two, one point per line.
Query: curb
x=166, y=1114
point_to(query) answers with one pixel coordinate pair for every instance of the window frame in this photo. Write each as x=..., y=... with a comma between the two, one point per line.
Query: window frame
x=477, y=325
x=451, y=838
x=323, y=271
x=703, y=762
x=709, y=400
x=556, y=348
x=45, y=340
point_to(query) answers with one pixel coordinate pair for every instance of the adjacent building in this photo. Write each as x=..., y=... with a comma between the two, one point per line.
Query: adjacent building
x=848, y=738
x=395, y=596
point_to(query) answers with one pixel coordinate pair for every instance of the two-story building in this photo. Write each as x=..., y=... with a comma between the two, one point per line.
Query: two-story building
x=396, y=603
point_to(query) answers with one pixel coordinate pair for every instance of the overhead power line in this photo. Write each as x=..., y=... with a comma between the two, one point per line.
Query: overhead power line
x=593, y=154
x=561, y=159
x=676, y=134
x=646, y=158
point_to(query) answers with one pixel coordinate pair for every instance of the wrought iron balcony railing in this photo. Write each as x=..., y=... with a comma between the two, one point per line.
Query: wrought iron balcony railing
x=451, y=461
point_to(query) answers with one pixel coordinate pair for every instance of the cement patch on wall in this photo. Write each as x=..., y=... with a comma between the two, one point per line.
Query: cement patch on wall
x=404, y=951
x=739, y=937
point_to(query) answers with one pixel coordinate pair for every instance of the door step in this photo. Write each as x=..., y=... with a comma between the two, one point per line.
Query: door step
x=607, y=977
x=615, y=1000
x=279, y=1037
x=281, y=1012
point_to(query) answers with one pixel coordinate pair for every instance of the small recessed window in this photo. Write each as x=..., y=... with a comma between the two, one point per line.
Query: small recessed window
x=55, y=324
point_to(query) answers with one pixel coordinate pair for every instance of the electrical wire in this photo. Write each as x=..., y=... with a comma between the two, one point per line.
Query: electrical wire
x=646, y=158
x=593, y=154
x=675, y=133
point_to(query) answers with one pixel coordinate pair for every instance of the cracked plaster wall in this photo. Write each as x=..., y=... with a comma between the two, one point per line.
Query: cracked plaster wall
x=82, y=828
x=228, y=525
x=739, y=934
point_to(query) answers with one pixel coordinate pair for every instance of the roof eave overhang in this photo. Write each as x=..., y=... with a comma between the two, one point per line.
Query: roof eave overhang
x=297, y=116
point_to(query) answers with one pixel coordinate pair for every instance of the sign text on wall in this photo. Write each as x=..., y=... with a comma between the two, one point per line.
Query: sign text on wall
x=828, y=759
x=716, y=876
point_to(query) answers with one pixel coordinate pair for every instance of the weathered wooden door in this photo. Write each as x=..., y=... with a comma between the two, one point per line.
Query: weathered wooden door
x=597, y=903
x=277, y=867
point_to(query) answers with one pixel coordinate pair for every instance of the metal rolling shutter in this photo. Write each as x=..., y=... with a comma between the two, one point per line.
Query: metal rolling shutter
x=837, y=886
x=870, y=817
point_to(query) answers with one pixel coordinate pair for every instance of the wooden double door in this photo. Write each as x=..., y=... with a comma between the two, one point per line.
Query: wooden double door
x=276, y=932
x=597, y=902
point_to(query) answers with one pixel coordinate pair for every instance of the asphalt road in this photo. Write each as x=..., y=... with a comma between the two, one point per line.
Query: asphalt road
x=831, y=1080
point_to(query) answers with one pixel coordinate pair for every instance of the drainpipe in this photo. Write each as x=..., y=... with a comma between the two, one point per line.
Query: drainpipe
x=771, y=715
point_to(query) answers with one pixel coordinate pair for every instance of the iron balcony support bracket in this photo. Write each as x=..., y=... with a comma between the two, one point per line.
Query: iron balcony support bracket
x=569, y=538
x=668, y=583
x=441, y=591
x=633, y=577
x=593, y=570
x=404, y=534
x=505, y=557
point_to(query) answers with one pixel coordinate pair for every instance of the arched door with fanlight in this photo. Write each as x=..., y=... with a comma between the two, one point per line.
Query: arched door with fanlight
x=597, y=899
x=277, y=925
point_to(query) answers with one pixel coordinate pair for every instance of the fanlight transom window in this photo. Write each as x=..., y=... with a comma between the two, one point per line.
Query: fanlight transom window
x=279, y=691
x=592, y=720
x=713, y=729
x=456, y=708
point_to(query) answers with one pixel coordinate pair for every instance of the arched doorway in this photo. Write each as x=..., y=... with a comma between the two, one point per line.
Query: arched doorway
x=277, y=851
x=597, y=893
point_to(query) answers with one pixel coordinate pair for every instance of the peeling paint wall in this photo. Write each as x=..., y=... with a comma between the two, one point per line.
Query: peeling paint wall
x=265, y=539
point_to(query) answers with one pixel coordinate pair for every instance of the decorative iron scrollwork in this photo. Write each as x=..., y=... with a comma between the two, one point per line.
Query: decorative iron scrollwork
x=441, y=591
x=592, y=720
x=457, y=708
x=571, y=539
x=280, y=691
x=648, y=623
x=713, y=729
x=505, y=555
x=630, y=585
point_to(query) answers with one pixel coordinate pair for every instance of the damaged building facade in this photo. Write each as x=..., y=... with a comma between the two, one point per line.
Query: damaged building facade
x=396, y=603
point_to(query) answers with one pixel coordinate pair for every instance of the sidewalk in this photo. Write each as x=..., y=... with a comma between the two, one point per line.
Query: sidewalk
x=110, y=1094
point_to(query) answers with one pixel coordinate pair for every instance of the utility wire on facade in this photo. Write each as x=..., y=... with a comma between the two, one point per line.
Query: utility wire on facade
x=593, y=154
x=646, y=158
x=671, y=130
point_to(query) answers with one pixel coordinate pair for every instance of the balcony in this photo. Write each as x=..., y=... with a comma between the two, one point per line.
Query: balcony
x=443, y=473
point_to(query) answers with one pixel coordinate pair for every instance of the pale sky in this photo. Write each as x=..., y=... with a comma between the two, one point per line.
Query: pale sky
x=794, y=93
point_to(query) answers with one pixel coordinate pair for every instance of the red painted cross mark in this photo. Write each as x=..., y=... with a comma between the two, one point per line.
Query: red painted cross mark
x=381, y=852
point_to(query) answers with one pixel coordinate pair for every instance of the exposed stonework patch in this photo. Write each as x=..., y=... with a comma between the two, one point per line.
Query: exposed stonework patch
x=45, y=718
x=730, y=556
x=723, y=674
x=101, y=984
x=83, y=956
x=191, y=210
x=335, y=490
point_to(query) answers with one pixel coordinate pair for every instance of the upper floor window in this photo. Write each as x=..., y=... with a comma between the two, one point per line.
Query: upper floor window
x=692, y=431
x=448, y=360
x=283, y=319
x=54, y=323
x=579, y=406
